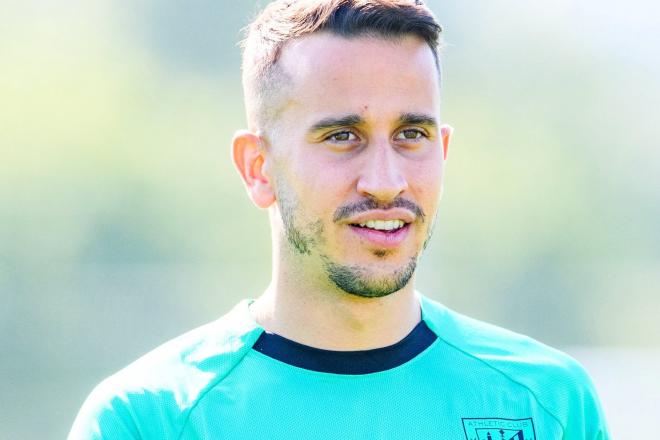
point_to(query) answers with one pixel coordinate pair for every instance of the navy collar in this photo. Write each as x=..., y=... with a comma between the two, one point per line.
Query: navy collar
x=346, y=362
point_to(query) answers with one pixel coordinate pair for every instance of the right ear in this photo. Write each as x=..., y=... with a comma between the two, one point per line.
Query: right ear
x=249, y=159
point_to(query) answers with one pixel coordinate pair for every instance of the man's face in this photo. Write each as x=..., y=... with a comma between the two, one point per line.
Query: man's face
x=356, y=159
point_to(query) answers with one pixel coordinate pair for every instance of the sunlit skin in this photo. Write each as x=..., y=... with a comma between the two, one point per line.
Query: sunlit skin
x=360, y=130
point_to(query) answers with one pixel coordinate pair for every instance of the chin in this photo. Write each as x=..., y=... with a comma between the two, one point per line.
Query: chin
x=368, y=281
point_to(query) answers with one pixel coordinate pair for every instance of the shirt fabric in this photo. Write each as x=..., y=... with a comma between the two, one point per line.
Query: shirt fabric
x=472, y=381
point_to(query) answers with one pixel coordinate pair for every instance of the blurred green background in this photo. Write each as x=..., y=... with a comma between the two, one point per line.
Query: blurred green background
x=123, y=223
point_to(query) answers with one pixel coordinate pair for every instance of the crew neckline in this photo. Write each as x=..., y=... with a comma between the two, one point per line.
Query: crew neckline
x=346, y=362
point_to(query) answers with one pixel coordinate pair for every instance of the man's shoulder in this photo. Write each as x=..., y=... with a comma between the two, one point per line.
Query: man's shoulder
x=207, y=352
x=491, y=343
x=157, y=390
x=556, y=380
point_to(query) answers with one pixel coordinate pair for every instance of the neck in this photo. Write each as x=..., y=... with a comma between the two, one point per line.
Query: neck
x=318, y=314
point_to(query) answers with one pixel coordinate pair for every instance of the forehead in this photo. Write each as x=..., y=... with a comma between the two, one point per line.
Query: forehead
x=331, y=74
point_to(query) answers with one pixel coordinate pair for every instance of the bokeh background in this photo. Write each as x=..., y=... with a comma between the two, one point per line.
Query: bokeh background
x=123, y=223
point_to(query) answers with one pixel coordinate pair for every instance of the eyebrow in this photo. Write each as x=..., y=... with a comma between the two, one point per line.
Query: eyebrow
x=344, y=121
x=355, y=119
x=417, y=119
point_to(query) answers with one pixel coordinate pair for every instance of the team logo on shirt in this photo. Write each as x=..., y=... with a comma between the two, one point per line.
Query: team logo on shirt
x=499, y=429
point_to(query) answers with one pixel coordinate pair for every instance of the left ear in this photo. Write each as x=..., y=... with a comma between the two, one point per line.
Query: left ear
x=445, y=133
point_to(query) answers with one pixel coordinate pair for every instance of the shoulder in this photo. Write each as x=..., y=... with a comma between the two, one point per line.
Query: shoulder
x=151, y=397
x=559, y=383
x=491, y=343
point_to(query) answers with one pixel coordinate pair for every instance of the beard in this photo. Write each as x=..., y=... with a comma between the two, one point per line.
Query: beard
x=356, y=280
x=305, y=240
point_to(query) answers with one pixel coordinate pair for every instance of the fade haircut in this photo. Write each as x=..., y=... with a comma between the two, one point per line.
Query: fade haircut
x=264, y=80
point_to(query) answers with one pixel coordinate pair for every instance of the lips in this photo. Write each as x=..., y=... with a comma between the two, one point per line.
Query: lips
x=382, y=229
x=384, y=239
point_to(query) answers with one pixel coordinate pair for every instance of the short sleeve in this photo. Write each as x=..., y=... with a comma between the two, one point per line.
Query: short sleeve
x=104, y=417
x=586, y=419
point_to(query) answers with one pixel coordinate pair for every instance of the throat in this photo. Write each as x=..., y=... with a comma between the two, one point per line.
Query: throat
x=338, y=321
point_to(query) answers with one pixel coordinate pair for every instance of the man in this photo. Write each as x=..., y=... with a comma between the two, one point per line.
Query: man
x=346, y=150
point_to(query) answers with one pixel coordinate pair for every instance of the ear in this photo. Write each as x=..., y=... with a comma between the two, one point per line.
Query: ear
x=445, y=133
x=249, y=158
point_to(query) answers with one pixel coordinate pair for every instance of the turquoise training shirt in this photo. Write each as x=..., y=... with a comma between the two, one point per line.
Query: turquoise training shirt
x=473, y=381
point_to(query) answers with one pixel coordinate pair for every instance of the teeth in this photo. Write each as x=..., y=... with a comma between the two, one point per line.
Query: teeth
x=383, y=225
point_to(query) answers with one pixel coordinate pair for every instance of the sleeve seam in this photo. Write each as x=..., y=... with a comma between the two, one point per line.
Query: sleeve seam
x=208, y=389
x=561, y=425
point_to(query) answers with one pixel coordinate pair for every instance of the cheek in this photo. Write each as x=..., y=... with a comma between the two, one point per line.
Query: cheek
x=313, y=187
x=425, y=179
x=321, y=178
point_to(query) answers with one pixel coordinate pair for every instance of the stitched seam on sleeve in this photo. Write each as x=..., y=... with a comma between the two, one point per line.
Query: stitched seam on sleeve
x=488, y=364
x=210, y=387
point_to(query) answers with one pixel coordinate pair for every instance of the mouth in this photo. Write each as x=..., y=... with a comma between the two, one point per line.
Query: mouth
x=382, y=225
x=384, y=234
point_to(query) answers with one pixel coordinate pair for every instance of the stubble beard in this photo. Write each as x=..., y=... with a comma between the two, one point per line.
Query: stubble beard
x=356, y=280
x=351, y=279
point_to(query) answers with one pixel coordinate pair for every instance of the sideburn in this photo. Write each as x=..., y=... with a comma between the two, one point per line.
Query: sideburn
x=301, y=242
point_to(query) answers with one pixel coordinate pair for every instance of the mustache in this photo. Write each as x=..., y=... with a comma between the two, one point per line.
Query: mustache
x=352, y=209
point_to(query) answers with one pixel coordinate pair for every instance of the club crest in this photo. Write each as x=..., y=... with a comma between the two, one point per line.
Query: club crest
x=499, y=429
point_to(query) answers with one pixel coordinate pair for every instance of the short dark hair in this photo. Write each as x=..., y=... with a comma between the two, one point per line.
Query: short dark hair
x=284, y=20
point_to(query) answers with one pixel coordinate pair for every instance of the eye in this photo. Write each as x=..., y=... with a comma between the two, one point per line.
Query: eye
x=410, y=134
x=342, y=136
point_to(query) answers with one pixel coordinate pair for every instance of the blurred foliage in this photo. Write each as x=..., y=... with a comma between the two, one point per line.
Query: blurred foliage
x=123, y=222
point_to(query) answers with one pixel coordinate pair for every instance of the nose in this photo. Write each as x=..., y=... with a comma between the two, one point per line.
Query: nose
x=381, y=178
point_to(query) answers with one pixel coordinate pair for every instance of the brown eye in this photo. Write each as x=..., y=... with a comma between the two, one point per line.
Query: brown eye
x=409, y=134
x=342, y=136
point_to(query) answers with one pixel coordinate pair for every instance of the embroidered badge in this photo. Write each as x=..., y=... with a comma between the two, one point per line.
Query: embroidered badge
x=499, y=429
